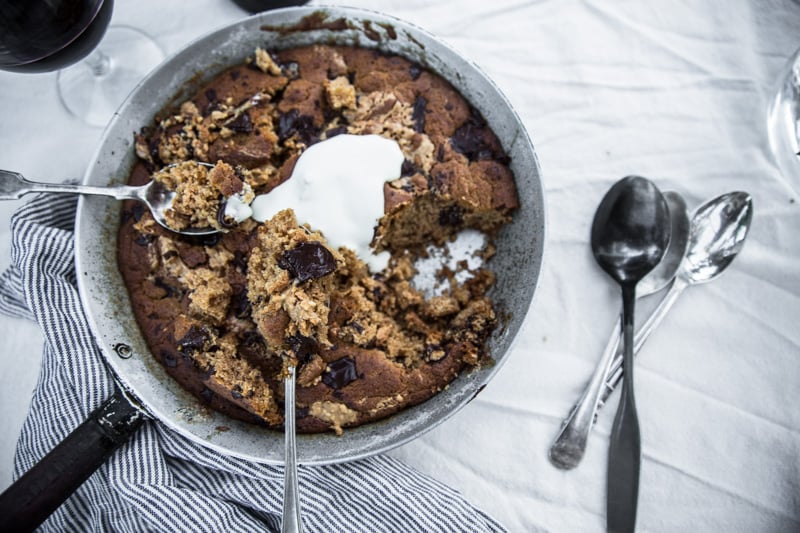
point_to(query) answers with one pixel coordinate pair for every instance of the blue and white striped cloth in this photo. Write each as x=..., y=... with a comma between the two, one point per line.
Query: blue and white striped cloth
x=160, y=481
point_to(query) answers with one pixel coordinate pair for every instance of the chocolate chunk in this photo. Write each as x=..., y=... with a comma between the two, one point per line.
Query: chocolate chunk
x=302, y=346
x=241, y=124
x=206, y=394
x=240, y=303
x=340, y=373
x=408, y=168
x=473, y=139
x=414, y=71
x=169, y=358
x=240, y=261
x=143, y=239
x=171, y=291
x=451, y=216
x=309, y=260
x=195, y=339
x=138, y=210
x=418, y=114
x=210, y=239
x=333, y=132
x=252, y=346
x=293, y=122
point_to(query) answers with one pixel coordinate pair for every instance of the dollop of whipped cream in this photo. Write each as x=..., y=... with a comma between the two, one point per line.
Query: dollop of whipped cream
x=337, y=187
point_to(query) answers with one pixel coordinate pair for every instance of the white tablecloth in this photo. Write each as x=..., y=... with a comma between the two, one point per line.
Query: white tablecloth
x=676, y=91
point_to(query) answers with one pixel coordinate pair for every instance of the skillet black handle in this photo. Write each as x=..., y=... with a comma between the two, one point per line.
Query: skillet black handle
x=42, y=489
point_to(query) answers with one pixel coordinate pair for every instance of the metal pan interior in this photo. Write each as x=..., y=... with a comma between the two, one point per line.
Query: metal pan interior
x=517, y=264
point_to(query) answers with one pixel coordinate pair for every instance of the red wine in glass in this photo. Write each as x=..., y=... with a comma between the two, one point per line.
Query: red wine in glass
x=255, y=6
x=47, y=35
x=96, y=68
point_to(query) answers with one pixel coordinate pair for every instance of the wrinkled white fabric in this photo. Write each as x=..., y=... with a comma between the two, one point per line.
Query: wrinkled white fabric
x=676, y=91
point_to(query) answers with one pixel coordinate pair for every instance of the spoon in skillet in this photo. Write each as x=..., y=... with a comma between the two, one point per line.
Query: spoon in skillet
x=154, y=195
x=630, y=233
x=291, y=521
x=570, y=443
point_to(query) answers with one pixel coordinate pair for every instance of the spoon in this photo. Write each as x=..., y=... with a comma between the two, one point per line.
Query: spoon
x=630, y=233
x=717, y=234
x=153, y=194
x=291, y=521
x=570, y=443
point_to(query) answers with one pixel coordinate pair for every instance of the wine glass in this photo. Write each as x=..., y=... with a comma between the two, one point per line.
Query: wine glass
x=47, y=35
x=256, y=6
x=783, y=121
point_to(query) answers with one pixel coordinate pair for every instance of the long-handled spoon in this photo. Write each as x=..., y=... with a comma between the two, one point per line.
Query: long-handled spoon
x=630, y=234
x=717, y=234
x=154, y=195
x=291, y=521
x=570, y=443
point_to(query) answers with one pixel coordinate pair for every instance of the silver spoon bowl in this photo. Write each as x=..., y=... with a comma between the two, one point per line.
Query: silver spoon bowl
x=154, y=195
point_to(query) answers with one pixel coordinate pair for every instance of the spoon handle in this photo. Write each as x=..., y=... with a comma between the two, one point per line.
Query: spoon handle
x=653, y=321
x=291, y=521
x=570, y=443
x=625, y=446
x=13, y=186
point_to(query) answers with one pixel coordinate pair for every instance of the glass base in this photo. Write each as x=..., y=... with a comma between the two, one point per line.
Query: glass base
x=93, y=89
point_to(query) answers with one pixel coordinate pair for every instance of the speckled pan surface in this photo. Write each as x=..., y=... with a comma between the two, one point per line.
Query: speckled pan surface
x=517, y=264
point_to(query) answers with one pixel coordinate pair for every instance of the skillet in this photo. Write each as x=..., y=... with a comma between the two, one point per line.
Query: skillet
x=144, y=387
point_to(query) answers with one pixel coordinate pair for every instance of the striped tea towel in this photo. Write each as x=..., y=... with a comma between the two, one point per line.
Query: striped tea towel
x=159, y=480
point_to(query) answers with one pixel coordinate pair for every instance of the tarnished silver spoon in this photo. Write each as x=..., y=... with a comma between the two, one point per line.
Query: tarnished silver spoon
x=154, y=195
x=291, y=521
x=717, y=233
x=570, y=443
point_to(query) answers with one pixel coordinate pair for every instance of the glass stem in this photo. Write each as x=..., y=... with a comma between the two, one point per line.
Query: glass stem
x=98, y=62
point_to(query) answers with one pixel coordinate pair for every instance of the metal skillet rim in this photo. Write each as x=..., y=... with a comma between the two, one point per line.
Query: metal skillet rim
x=139, y=373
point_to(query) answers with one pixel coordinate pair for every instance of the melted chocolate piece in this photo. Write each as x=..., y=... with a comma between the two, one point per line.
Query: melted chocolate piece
x=206, y=394
x=333, y=132
x=293, y=122
x=451, y=216
x=309, y=260
x=472, y=139
x=171, y=291
x=169, y=358
x=241, y=124
x=302, y=346
x=210, y=239
x=138, y=210
x=340, y=373
x=195, y=338
x=408, y=169
x=252, y=346
x=418, y=114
